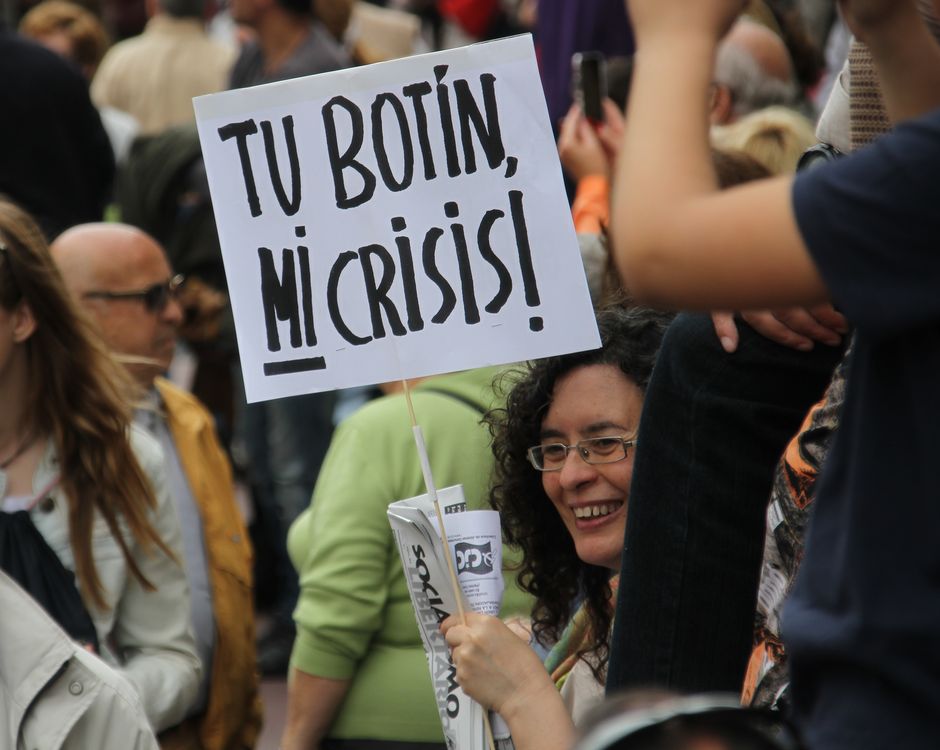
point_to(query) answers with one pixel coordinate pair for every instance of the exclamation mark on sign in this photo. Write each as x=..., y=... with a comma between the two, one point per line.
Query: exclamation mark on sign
x=525, y=258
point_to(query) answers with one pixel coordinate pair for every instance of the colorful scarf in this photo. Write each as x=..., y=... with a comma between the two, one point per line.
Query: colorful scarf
x=576, y=639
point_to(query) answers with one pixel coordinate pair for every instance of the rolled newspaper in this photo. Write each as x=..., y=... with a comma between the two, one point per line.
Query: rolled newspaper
x=476, y=546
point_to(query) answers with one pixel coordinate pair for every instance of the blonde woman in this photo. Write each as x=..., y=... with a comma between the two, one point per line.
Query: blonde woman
x=775, y=136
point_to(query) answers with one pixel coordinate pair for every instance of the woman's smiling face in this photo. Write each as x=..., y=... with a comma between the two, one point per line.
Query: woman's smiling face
x=589, y=402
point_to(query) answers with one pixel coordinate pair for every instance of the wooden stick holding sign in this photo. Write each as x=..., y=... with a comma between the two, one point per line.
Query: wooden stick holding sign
x=432, y=492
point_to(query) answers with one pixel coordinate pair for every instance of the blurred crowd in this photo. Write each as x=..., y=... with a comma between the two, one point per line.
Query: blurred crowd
x=756, y=238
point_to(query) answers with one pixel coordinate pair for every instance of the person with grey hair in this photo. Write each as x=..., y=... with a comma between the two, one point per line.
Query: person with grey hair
x=753, y=70
x=155, y=76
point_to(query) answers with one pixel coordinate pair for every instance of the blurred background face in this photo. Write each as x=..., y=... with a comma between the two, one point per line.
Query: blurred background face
x=69, y=30
x=589, y=402
x=113, y=259
x=130, y=328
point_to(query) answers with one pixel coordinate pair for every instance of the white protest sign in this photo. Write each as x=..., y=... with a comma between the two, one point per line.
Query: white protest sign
x=396, y=220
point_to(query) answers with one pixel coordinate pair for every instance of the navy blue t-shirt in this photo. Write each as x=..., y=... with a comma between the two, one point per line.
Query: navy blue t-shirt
x=862, y=627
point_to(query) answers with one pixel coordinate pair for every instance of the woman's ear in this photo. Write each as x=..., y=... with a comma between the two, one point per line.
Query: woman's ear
x=24, y=323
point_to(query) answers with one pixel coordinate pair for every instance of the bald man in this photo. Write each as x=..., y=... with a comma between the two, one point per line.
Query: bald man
x=753, y=70
x=121, y=276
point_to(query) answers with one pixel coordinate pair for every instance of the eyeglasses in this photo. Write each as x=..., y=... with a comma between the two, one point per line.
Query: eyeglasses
x=155, y=298
x=599, y=450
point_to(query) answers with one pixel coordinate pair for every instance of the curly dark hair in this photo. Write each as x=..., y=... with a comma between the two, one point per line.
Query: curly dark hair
x=550, y=569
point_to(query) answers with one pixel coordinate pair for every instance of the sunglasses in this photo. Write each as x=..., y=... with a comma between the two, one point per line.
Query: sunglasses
x=155, y=298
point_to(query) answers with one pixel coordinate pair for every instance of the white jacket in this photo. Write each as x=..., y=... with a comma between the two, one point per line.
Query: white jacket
x=145, y=635
x=53, y=694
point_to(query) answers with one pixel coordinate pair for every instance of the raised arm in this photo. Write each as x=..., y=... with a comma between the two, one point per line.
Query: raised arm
x=676, y=240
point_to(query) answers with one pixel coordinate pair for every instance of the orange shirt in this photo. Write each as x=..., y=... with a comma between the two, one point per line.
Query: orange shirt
x=591, y=208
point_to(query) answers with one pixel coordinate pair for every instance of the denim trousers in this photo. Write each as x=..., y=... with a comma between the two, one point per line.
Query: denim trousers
x=714, y=426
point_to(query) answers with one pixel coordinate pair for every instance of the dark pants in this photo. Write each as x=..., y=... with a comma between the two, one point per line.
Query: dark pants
x=714, y=426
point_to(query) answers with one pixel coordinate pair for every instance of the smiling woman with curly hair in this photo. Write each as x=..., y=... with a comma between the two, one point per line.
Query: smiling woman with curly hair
x=563, y=447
